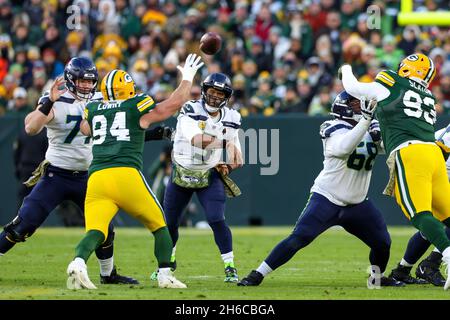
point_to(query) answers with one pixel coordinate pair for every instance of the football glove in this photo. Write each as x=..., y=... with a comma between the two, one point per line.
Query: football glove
x=159, y=133
x=368, y=109
x=191, y=66
x=374, y=130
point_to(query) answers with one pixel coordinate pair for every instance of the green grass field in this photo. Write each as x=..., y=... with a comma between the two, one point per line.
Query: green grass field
x=332, y=267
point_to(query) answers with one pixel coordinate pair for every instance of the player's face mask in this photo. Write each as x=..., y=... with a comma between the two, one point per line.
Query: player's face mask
x=84, y=88
x=214, y=100
x=355, y=104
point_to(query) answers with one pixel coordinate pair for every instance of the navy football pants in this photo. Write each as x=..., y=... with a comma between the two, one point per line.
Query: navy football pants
x=56, y=186
x=212, y=199
x=362, y=220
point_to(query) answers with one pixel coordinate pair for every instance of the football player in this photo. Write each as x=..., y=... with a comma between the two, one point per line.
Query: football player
x=205, y=129
x=63, y=174
x=428, y=269
x=117, y=126
x=418, y=177
x=339, y=195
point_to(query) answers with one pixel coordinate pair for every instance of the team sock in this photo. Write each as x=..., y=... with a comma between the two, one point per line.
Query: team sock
x=228, y=259
x=91, y=241
x=264, y=269
x=417, y=246
x=432, y=229
x=106, y=266
x=405, y=263
x=163, y=247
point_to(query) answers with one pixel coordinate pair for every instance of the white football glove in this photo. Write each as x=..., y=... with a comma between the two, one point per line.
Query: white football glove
x=368, y=110
x=191, y=65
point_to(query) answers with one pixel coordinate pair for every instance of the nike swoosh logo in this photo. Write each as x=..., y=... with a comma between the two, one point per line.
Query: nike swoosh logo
x=420, y=269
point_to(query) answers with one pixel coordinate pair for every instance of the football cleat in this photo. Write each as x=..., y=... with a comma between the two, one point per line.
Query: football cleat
x=430, y=272
x=115, y=278
x=446, y=261
x=402, y=273
x=78, y=277
x=231, y=274
x=167, y=280
x=254, y=278
x=374, y=283
x=172, y=265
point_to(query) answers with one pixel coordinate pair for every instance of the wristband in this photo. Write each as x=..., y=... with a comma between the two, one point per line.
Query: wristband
x=46, y=106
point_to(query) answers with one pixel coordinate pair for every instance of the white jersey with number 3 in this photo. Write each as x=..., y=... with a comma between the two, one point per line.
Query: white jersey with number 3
x=193, y=120
x=345, y=178
x=68, y=148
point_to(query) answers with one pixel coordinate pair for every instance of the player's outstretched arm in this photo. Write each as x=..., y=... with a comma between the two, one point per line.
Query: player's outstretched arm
x=170, y=106
x=36, y=120
x=344, y=144
x=371, y=90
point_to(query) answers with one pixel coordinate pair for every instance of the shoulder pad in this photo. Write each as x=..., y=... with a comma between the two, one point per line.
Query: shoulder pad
x=97, y=96
x=385, y=78
x=44, y=97
x=329, y=127
x=232, y=119
x=191, y=107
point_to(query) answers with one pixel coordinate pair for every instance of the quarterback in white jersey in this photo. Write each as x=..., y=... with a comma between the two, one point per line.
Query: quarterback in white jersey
x=194, y=120
x=339, y=195
x=63, y=175
x=206, y=128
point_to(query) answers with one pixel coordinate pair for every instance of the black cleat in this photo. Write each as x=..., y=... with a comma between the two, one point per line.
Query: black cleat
x=115, y=278
x=254, y=278
x=373, y=283
x=402, y=273
x=430, y=272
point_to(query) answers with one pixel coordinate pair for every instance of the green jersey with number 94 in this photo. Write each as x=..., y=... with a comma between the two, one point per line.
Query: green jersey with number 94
x=407, y=114
x=118, y=139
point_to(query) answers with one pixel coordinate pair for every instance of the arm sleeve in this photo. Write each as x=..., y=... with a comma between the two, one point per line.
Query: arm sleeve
x=343, y=144
x=372, y=90
x=189, y=127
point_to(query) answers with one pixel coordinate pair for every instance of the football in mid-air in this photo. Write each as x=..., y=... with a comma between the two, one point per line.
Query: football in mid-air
x=210, y=43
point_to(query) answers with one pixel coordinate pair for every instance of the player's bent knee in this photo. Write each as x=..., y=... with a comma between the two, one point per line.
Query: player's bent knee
x=18, y=230
x=109, y=239
x=298, y=241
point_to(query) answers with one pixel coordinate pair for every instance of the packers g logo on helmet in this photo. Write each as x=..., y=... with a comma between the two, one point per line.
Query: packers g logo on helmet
x=117, y=85
x=417, y=67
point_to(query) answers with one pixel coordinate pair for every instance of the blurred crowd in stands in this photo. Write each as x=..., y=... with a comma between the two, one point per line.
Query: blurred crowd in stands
x=282, y=56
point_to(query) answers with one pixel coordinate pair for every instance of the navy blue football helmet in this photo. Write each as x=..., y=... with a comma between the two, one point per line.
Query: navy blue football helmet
x=346, y=107
x=81, y=68
x=220, y=82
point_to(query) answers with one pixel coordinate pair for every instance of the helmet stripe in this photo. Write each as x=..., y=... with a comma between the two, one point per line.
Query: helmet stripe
x=109, y=85
x=430, y=71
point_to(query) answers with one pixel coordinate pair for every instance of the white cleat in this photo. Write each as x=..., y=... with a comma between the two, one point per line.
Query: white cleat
x=167, y=280
x=78, y=277
x=447, y=271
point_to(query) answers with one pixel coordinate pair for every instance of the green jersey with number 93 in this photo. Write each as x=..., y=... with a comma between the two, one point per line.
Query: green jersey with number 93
x=118, y=139
x=408, y=113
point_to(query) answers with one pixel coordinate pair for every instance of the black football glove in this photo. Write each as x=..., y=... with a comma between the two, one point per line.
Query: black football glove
x=159, y=133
